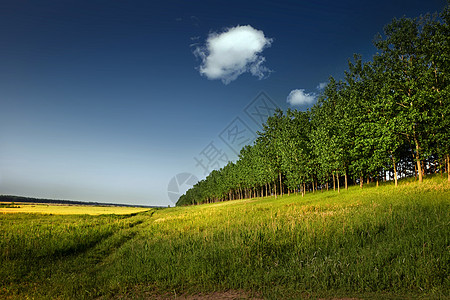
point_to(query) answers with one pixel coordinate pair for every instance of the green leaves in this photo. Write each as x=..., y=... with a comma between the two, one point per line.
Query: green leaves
x=393, y=110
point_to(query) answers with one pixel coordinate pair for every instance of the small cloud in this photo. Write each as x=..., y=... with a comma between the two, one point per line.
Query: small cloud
x=321, y=86
x=299, y=97
x=233, y=52
x=195, y=38
x=179, y=19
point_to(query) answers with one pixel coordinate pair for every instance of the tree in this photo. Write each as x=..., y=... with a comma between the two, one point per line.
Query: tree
x=435, y=46
x=404, y=90
x=386, y=109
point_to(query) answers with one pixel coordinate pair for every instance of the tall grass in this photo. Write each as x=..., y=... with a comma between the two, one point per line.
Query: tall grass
x=375, y=242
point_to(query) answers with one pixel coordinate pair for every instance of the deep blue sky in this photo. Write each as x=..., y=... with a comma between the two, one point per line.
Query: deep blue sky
x=104, y=100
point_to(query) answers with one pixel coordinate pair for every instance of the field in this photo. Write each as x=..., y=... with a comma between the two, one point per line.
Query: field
x=378, y=242
x=68, y=209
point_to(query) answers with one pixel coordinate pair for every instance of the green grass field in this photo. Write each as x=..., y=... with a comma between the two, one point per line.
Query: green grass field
x=383, y=242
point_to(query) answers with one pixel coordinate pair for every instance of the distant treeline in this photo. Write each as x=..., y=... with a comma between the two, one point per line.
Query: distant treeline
x=388, y=118
x=20, y=199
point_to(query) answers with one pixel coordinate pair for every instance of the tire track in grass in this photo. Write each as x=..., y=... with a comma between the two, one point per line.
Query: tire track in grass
x=82, y=274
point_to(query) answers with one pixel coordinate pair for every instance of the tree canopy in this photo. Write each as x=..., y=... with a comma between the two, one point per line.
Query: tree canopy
x=388, y=118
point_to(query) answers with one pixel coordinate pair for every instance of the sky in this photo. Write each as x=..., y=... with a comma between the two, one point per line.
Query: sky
x=132, y=102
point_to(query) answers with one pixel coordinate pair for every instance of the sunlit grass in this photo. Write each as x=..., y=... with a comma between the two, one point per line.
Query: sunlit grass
x=70, y=209
x=375, y=242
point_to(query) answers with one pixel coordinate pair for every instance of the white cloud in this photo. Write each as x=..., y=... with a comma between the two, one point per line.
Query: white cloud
x=299, y=97
x=321, y=86
x=228, y=54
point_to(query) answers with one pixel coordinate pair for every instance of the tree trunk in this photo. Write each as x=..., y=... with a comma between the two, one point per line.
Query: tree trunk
x=448, y=167
x=445, y=163
x=275, y=188
x=395, y=170
x=338, y=185
x=334, y=183
x=281, y=186
x=419, y=165
x=361, y=181
x=346, y=186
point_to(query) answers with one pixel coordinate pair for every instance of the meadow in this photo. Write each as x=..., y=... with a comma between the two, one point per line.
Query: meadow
x=377, y=242
x=33, y=208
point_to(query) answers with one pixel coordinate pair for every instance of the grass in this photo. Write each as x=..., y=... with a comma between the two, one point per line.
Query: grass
x=68, y=209
x=383, y=242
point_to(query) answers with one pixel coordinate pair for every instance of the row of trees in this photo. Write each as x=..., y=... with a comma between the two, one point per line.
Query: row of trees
x=388, y=118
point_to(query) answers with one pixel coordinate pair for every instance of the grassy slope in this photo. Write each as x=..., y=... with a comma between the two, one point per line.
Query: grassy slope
x=376, y=242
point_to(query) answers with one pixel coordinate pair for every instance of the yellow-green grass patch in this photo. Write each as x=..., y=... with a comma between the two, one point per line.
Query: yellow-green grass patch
x=56, y=209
